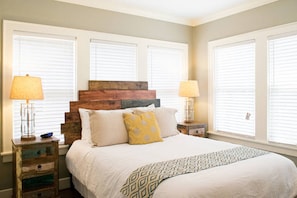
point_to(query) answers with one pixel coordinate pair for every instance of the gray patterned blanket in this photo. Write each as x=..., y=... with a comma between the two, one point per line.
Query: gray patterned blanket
x=143, y=181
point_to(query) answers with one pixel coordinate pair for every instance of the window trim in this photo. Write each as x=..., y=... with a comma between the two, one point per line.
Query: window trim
x=261, y=37
x=83, y=38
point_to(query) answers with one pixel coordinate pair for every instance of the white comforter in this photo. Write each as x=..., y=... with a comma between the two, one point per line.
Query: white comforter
x=105, y=169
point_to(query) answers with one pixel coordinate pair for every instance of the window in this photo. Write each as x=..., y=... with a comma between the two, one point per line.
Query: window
x=252, y=88
x=113, y=61
x=234, y=87
x=53, y=60
x=165, y=67
x=282, y=89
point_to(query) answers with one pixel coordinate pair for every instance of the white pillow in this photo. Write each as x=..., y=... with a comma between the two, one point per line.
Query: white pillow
x=167, y=121
x=85, y=124
x=150, y=107
x=108, y=127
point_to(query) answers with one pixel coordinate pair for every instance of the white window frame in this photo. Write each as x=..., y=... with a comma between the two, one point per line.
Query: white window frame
x=261, y=75
x=83, y=38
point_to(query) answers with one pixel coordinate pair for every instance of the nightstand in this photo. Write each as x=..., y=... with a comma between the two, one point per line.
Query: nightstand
x=193, y=128
x=35, y=168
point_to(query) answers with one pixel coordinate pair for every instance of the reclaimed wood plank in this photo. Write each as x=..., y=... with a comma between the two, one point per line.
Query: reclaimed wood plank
x=86, y=95
x=140, y=103
x=71, y=131
x=72, y=117
x=74, y=127
x=123, y=85
x=99, y=104
x=69, y=137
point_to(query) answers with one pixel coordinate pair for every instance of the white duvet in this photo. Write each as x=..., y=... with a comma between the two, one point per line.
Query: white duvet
x=103, y=170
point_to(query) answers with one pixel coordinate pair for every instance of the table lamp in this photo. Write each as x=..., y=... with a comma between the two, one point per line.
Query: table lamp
x=27, y=88
x=189, y=89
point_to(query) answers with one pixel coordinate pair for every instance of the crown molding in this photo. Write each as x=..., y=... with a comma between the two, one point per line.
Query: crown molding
x=232, y=11
x=112, y=6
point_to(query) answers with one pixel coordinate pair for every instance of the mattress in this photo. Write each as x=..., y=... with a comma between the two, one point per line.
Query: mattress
x=104, y=170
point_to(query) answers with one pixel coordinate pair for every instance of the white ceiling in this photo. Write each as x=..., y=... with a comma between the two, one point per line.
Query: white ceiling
x=188, y=12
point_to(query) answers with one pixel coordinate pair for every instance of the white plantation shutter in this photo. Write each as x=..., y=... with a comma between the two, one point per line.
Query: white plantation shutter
x=53, y=60
x=234, y=88
x=282, y=98
x=165, y=67
x=113, y=61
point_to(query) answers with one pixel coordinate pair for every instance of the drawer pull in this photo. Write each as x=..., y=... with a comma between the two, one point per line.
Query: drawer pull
x=39, y=167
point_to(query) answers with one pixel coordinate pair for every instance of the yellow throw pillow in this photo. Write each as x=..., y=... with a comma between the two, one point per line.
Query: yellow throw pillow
x=142, y=128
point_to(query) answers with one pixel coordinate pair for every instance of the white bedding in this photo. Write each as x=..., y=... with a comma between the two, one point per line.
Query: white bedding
x=103, y=170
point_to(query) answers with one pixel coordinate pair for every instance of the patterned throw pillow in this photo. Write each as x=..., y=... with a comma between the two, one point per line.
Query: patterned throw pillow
x=142, y=128
x=166, y=119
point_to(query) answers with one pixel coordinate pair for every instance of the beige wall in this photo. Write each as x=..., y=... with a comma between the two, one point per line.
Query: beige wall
x=50, y=12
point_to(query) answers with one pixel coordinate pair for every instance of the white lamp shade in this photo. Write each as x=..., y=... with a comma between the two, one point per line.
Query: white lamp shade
x=26, y=88
x=188, y=89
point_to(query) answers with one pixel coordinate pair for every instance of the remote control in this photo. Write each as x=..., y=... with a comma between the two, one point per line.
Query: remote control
x=46, y=135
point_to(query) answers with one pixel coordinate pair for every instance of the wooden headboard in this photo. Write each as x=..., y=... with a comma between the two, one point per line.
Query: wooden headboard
x=106, y=95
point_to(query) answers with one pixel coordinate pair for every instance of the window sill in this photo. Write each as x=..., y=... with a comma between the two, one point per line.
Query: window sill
x=248, y=141
x=7, y=156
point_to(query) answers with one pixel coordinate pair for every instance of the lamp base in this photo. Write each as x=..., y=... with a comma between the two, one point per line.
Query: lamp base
x=189, y=110
x=28, y=137
x=27, y=122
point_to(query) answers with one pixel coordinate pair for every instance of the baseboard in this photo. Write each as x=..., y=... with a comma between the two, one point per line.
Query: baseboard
x=64, y=183
x=6, y=193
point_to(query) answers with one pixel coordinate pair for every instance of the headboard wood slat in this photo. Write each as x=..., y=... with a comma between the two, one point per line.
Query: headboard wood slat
x=71, y=131
x=72, y=117
x=87, y=95
x=139, y=103
x=98, y=104
x=118, y=85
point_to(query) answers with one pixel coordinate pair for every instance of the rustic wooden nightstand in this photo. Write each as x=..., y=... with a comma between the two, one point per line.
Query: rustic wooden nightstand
x=35, y=167
x=193, y=128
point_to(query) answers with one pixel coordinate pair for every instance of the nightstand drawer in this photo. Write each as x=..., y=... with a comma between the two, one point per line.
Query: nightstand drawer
x=195, y=129
x=49, y=193
x=197, y=132
x=37, y=151
x=38, y=182
x=38, y=168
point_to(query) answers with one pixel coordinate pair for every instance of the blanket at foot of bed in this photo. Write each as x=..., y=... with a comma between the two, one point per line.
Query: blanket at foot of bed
x=144, y=180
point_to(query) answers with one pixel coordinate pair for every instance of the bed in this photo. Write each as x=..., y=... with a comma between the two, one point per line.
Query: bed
x=103, y=164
